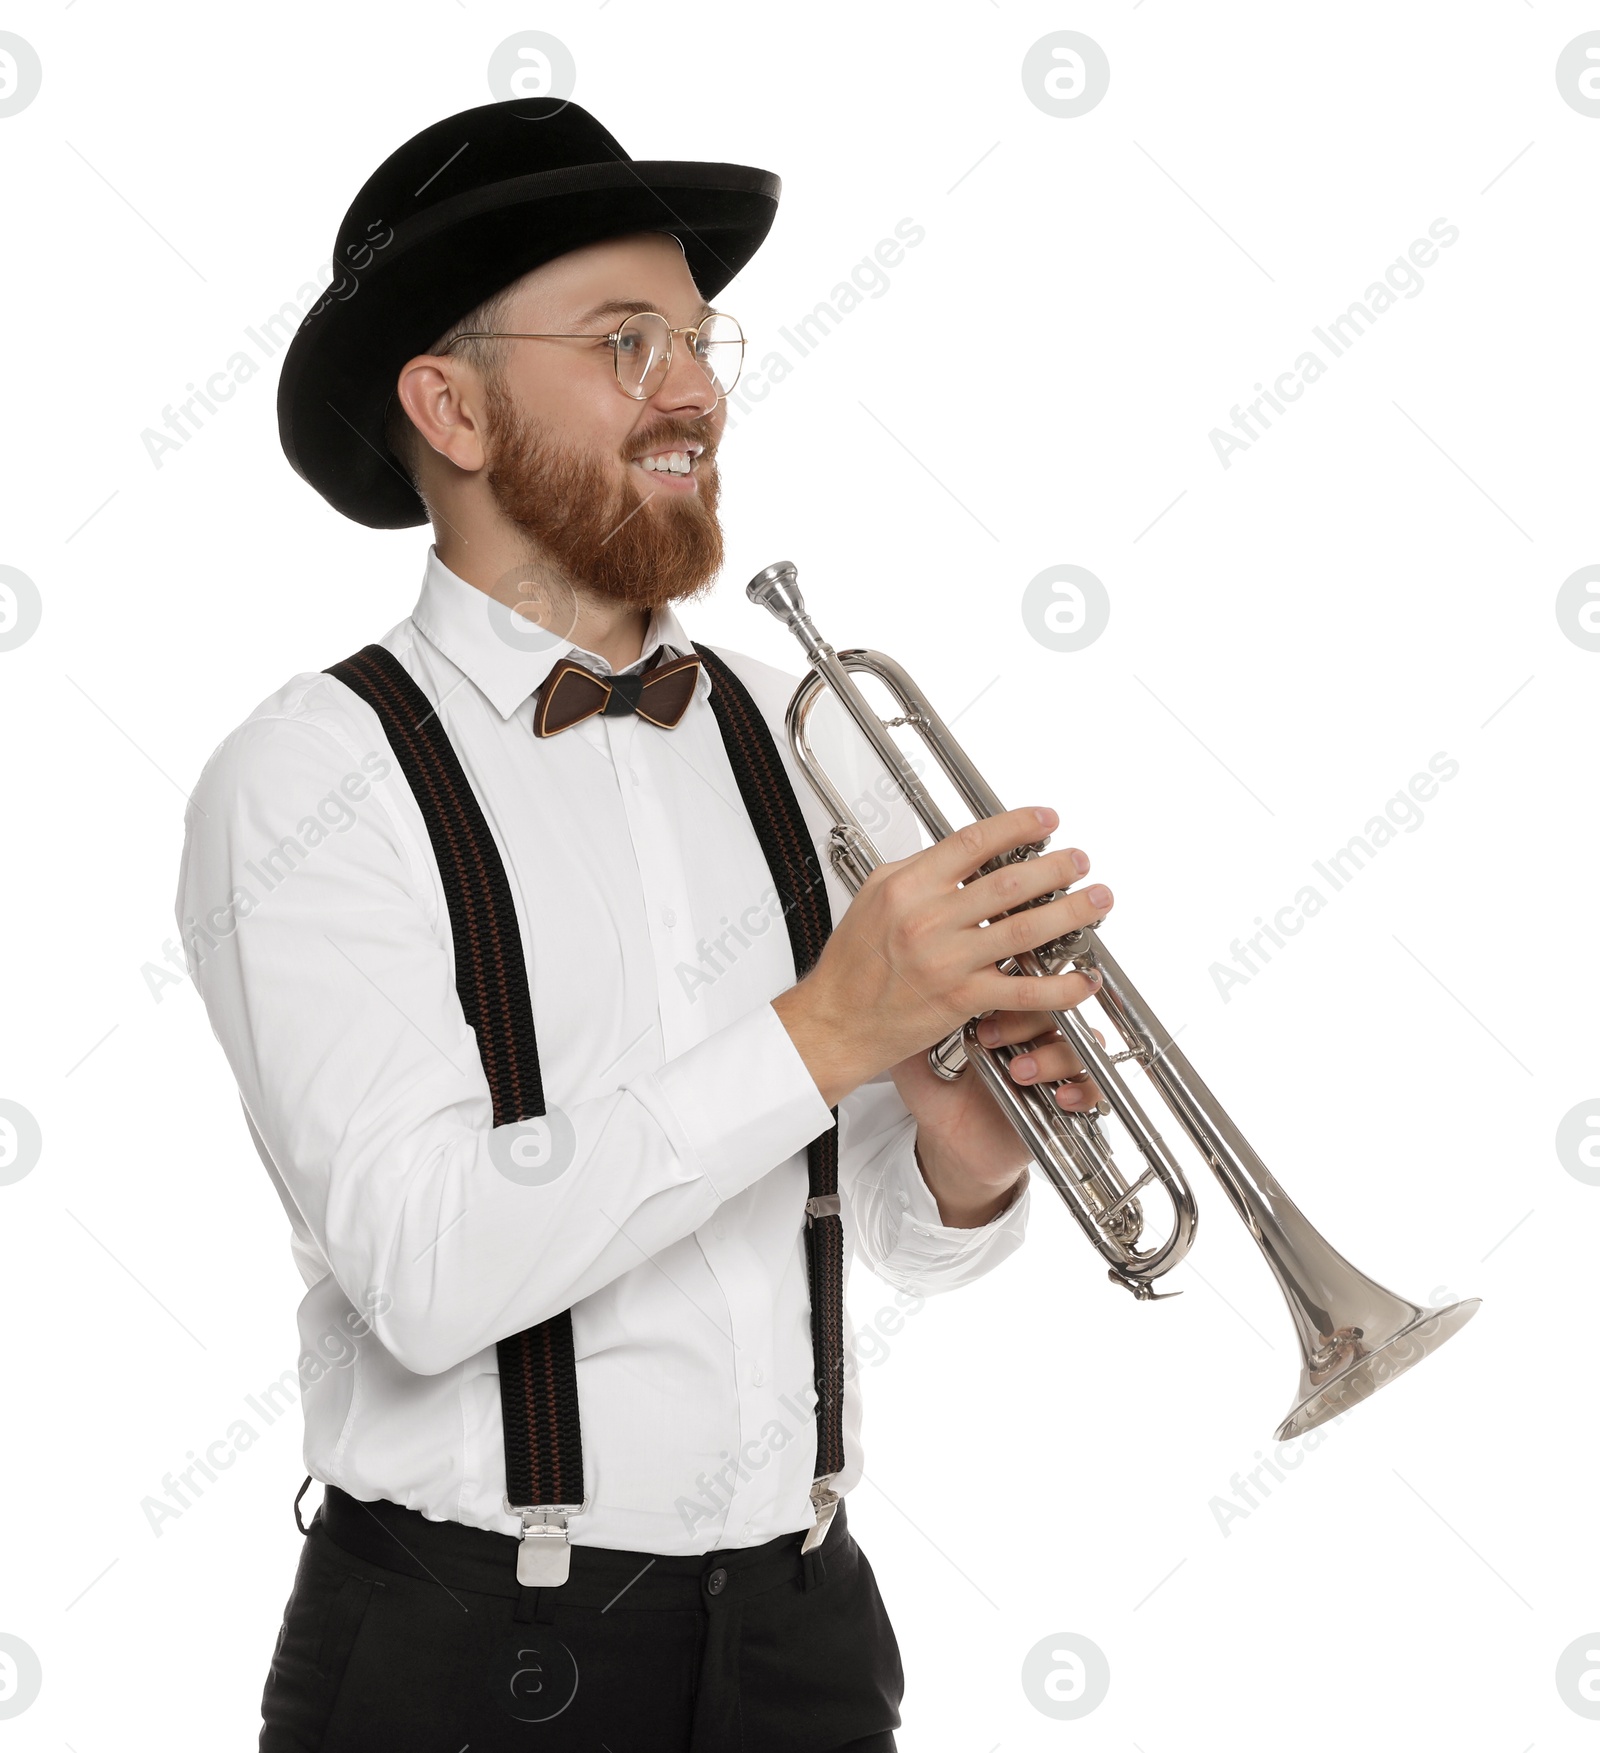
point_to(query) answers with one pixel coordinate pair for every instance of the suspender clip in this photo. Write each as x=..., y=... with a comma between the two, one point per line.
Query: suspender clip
x=824, y=1500
x=544, y=1551
x=821, y=1205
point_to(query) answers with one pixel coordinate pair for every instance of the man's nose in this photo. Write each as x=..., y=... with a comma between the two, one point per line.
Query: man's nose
x=686, y=387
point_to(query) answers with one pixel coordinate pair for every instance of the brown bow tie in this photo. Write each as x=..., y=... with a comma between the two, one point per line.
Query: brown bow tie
x=573, y=692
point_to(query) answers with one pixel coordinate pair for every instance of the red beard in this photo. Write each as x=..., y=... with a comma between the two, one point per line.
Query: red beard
x=602, y=532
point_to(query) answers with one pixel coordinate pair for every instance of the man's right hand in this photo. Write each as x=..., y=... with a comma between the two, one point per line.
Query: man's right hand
x=911, y=959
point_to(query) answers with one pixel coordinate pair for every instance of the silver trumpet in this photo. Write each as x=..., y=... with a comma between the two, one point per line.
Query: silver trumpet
x=1354, y=1335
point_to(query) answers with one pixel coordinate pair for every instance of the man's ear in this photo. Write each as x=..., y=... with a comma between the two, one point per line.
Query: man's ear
x=429, y=391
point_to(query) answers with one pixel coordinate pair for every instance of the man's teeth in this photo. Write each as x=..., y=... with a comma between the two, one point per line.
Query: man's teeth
x=670, y=462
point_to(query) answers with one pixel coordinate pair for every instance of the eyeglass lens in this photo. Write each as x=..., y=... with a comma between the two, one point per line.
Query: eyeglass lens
x=645, y=339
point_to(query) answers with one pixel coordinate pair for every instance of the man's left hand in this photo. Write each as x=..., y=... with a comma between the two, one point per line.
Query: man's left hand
x=970, y=1154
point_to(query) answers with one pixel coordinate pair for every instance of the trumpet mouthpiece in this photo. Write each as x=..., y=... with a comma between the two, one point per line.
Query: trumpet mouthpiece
x=777, y=587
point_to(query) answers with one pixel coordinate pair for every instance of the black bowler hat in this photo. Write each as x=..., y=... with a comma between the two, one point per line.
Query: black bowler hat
x=452, y=217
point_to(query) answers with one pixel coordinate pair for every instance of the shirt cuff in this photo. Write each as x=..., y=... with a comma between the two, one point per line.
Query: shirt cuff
x=938, y=1255
x=739, y=1102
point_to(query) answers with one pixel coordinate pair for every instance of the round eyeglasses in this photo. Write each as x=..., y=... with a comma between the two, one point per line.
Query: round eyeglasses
x=641, y=349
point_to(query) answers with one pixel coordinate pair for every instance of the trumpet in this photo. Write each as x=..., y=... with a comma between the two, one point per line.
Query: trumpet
x=1354, y=1335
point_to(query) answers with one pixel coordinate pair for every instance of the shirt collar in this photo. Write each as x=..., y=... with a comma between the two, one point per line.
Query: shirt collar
x=483, y=639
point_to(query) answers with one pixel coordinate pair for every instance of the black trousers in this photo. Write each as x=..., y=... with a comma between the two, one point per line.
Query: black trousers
x=404, y=1635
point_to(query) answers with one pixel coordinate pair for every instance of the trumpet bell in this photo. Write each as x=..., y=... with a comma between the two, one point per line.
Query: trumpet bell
x=1360, y=1358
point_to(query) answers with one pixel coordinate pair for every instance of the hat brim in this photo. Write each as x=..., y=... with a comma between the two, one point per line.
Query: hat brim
x=340, y=367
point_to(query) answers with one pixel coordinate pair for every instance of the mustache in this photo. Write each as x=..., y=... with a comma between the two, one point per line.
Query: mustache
x=674, y=435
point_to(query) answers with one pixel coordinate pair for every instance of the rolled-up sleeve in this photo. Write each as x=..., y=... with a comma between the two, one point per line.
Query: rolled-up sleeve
x=331, y=991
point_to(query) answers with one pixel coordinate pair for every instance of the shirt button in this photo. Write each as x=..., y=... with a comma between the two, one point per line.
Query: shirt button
x=716, y=1582
x=920, y=1229
x=758, y=1377
x=905, y=1200
x=668, y=917
x=633, y=776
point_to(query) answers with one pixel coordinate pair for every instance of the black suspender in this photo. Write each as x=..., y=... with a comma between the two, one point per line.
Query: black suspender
x=538, y=1372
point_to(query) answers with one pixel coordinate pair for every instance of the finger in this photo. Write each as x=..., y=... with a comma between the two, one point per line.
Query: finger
x=1077, y=1098
x=1049, y=1062
x=999, y=891
x=1007, y=1028
x=953, y=859
x=1031, y=927
x=1036, y=993
x=1048, y=1057
x=1076, y=1094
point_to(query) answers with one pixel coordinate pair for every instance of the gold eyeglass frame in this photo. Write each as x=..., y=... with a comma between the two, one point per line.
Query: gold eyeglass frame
x=614, y=340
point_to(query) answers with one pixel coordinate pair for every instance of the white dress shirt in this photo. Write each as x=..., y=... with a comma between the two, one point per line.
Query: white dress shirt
x=317, y=932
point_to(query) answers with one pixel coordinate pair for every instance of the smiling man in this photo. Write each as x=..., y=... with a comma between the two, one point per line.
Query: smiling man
x=567, y=488
x=590, y=1222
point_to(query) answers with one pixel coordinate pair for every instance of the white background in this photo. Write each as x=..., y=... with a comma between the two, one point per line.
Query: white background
x=1291, y=638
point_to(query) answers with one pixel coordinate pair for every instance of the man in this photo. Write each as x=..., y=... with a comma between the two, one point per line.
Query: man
x=514, y=930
